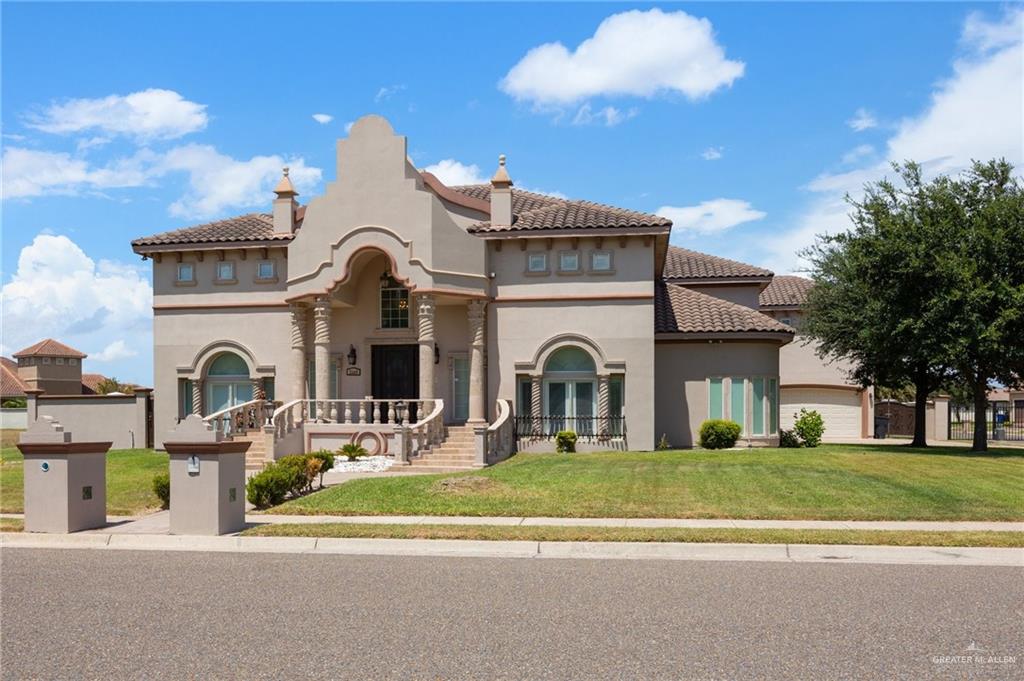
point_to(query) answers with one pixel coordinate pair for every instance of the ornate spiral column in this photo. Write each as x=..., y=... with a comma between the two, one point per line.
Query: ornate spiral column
x=298, y=314
x=322, y=353
x=477, y=312
x=536, y=403
x=425, y=326
x=197, y=397
x=603, y=426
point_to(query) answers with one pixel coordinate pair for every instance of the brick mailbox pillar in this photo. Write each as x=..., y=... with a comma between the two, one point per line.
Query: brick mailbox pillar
x=65, y=481
x=207, y=479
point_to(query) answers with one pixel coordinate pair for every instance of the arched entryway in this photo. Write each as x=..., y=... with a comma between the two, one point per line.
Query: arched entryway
x=570, y=390
x=227, y=382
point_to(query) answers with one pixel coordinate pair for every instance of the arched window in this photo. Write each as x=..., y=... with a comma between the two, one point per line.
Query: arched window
x=570, y=390
x=227, y=382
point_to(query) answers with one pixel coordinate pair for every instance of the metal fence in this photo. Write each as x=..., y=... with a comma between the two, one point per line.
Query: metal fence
x=587, y=428
x=1003, y=421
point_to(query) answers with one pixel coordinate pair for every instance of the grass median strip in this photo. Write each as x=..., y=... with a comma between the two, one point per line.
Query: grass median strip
x=638, y=534
x=12, y=525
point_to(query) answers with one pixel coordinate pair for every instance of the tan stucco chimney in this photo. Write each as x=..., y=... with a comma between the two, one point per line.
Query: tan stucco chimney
x=501, y=195
x=285, y=205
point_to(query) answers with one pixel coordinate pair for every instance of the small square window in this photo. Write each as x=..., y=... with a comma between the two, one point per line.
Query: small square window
x=787, y=321
x=225, y=271
x=73, y=361
x=569, y=261
x=537, y=262
x=60, y=360
x=601, y=261
x=265, y=269
x=186, y=272
x=46, y=360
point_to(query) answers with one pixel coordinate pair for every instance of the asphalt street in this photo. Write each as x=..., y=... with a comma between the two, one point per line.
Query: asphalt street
x=170, y=615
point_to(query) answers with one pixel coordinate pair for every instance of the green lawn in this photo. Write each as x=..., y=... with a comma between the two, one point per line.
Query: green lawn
x=833, y=482
x=129, y=478
x=637, y=534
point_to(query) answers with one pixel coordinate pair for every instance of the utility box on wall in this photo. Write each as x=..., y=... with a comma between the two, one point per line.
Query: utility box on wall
x=207, y=480
x=65, y=481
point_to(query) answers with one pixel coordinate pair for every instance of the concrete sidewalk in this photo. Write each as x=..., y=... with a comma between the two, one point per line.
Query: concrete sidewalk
x=159, y=523
x=786, y=553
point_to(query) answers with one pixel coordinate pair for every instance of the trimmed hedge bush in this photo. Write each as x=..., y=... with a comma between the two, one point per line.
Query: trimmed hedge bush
x=326, y=460
x=162, y=488
x=788, y=439
x=565, y=442
x=269, y=487
x=809, y=428
x=719, y=434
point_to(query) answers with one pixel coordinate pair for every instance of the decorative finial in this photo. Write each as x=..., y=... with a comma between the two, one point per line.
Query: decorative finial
x=285, y=188
x=285, y=169
x=501, y=160
x=501, y=178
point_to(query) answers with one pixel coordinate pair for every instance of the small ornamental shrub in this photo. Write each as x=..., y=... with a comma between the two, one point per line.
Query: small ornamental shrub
x=162, y=488
x=788, y=439
x=663, y=443
x=719, y=434
x=565, y=442
x=326, y=460
x=299, y=473
x=809, y=428
x=353, y=451
x=269, y=487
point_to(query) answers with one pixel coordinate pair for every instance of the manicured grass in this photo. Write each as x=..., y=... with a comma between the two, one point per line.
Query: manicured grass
x=129, y=479
x=637, y=534
x=833, y=482
x=12, y=525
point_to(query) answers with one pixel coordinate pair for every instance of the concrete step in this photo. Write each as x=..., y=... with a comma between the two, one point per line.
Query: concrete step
x=434, y=469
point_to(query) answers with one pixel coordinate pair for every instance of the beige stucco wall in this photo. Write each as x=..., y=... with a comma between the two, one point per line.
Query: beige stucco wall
x=799, y=364
x=96, y=418
x=207, y=290
x=742, y=294
x=41, y=373
x=682, y=370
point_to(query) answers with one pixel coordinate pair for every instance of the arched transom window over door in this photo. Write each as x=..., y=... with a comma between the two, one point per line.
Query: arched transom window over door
x=227, y=382
x=570, y=390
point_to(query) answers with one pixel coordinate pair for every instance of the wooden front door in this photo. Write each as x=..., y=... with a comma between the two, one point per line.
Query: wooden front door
x=396, y=373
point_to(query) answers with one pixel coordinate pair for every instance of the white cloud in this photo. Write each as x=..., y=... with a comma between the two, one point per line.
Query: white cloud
x=453, y=173
x=608, y=116
x=974, y=114
x=60, y=292
x=348, y=127
x=114, y=351
x=28, y=172
x=387, y=92
x=322, y=118
x=857, y=153
x=862, y=120
x=149, y=114
x=711, y=154
x=218, y=182
x=633, y=53
x=91, y=142
x=709, y=217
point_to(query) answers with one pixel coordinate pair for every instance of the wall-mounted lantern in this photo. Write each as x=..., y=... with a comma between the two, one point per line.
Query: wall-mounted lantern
x=352, y=355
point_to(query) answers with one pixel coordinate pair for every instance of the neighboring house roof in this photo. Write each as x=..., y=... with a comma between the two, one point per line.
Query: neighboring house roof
x=535, y=212
x=684, y=264
x=11, y=384
x=678, y=309
x=251, y=227
x=786, y=291
x=91, y=383
x=50, y=348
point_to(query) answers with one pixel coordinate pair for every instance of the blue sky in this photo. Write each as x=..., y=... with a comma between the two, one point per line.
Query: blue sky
x=745, y=123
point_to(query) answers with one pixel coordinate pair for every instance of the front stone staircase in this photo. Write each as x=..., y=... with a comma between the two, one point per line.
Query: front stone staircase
x=456, y=453
x=256, y=455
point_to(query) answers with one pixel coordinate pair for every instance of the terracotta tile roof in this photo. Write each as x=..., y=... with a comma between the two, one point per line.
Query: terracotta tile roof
x=786, y=291
x=11, y=384
x=532, y=212
x=682, y=263
x=251, y=227
x=678, y=309
x=90, y=383
x=50, y=348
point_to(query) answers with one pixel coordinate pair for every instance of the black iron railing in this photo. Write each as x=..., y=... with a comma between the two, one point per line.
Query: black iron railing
x=1002, y=421
x=587, y=428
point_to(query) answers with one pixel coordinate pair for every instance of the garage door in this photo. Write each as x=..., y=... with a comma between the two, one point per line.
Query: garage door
x=839, y=408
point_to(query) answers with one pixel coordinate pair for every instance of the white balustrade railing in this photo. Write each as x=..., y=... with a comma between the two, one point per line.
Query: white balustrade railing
x=241, y=418
x=426, y=431
x=500, y=442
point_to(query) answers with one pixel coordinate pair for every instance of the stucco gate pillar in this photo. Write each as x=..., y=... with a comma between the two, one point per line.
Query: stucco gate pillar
x=425, y=328
x=298, y=359
x=207, y=479
x=65, y=481
x=322, y=355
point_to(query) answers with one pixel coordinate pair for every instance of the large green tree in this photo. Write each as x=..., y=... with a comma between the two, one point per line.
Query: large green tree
x=925, y=287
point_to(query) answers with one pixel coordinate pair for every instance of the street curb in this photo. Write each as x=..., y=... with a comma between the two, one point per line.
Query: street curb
x=788, y=553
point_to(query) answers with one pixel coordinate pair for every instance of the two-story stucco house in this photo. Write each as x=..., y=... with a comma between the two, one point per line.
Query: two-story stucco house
x=439, y=323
